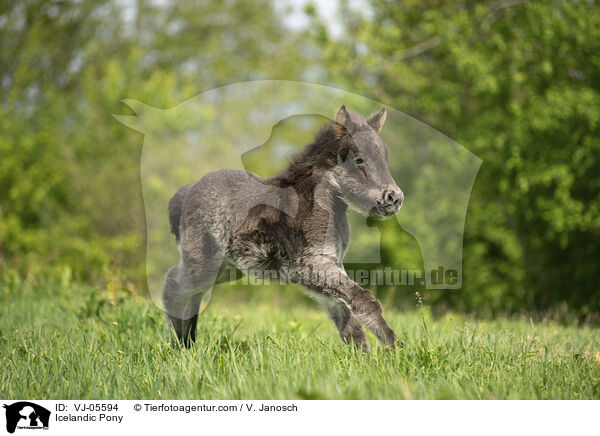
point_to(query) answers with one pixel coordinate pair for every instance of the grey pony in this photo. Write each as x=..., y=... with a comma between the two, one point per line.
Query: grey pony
x=294, y=224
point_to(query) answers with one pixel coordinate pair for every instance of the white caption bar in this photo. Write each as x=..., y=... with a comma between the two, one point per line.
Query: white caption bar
x=297, y=417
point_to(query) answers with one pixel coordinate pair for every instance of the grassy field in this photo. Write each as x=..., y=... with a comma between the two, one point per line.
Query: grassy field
x=84, y=343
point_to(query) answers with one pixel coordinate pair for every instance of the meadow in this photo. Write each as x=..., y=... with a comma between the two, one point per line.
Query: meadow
x=80, y=342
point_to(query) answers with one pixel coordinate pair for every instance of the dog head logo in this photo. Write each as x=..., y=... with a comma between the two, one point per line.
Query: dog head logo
x=259, y=126
x=26, y=415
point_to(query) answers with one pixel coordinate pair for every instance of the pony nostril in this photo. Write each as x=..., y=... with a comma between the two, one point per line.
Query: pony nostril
x=391, y=198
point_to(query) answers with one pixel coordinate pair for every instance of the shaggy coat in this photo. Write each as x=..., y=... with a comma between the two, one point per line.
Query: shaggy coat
x=294, y=224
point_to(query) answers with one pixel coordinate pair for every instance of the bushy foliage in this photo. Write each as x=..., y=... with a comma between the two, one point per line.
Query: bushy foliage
x=70, y=197
x=517, y=83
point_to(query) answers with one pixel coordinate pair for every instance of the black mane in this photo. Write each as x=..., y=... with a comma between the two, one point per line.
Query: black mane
x=307, y=167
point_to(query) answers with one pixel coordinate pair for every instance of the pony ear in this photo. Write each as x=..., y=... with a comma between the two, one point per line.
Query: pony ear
x=376, y=120
x=342, y=122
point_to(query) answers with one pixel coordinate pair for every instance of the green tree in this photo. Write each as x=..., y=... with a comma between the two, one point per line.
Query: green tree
x=70, y=197
x=518, y=84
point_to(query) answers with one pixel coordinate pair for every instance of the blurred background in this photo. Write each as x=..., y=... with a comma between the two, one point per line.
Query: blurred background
x=516, y=83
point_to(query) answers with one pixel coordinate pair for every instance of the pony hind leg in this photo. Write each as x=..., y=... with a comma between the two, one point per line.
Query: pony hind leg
x=181, y=308
x=187, y=286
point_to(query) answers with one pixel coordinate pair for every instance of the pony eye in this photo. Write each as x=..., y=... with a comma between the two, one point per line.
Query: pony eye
x=359, y=161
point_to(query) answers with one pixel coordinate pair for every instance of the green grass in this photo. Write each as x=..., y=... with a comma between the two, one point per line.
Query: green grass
x=84, y=343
